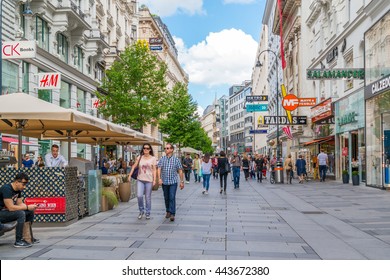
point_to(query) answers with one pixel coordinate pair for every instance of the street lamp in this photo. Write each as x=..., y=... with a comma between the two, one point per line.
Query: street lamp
x=259, y=64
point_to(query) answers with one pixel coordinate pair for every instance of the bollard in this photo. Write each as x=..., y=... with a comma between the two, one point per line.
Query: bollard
x=279, y=173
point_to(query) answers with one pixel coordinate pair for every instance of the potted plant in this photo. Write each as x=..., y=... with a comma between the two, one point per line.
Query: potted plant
x=124, y=189
x=345, y=177
x=355, y=178
x=109, y=199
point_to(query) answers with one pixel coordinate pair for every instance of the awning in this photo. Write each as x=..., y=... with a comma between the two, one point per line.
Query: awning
x=319, y=141
x=14, y=141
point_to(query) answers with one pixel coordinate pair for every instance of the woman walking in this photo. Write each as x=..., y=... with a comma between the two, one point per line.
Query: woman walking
x=206, y=166
x=288, y=166
x=223, y=170
x=300, y=166
x=146, y=179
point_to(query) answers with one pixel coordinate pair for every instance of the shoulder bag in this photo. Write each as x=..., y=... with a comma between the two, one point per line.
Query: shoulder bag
x=135, y=172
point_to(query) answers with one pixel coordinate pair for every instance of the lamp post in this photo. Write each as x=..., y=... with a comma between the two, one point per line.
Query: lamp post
x=258, y=64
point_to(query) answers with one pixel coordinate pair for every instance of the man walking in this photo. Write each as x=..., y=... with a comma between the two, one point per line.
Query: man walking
x=236, y=163
x=13, y=208
x=322, y=160
x=168, y=167
x=187, y=165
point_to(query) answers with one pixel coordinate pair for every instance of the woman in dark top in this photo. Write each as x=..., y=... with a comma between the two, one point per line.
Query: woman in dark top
x=223, y=172
x=245, y=167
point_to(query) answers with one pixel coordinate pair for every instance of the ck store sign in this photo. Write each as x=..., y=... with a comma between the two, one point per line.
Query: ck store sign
x=19, y=49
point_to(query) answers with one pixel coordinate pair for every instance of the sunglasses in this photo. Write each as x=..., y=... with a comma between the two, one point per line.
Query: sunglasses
x=23, y=182
x=168, y=148
x=146, y=148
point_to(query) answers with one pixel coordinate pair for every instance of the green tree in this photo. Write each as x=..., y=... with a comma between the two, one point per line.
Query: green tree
x=181, y=124
x=136, y=88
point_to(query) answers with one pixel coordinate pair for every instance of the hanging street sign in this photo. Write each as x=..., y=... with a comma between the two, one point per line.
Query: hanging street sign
x=156, y=48
x=257, y=107
x=155, y=41
x=49, y=80
x=296, y=120
x=258, y=131
x=254, y=98
x=291, y=102
x=18, y=49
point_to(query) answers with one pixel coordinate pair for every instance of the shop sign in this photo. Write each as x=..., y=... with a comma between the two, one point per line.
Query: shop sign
x=155, y=41
x=291, y=102
x=330, y=74
x=19, y=49
x=49, y=80
x=48, y=205
x=344, y=152
x=347, y=118
x=296, y=120
x=257, y=107
x=322, y=110
x=254, y=98
x=377, y=87
x=326, y=121
x=260, y=122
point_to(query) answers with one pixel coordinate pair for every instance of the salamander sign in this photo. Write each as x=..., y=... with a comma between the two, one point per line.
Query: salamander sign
x=331, y=74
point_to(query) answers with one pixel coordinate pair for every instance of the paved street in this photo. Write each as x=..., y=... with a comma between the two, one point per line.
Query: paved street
x=259, y=221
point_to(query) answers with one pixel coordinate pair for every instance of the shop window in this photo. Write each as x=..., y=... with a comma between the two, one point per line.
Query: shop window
x=65, y=95
x=22, y=19
x=25, y=77
x=80, y=100
x=10, y=77
x=45, y=94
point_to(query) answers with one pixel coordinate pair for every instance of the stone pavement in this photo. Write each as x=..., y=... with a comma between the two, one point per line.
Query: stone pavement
x=258, y=221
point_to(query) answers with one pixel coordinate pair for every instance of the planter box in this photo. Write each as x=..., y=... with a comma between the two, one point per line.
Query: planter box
x=345, y=178
x=355, y=180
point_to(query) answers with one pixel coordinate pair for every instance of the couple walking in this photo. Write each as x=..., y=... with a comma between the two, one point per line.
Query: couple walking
x=165, y=172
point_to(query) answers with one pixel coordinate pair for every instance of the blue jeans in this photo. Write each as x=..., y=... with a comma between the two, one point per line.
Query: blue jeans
x=322, y=172
x=236, y=176
x=144, y=188
x=206, y=181
x=196, y=175
x=20, y=216
x=170, y=197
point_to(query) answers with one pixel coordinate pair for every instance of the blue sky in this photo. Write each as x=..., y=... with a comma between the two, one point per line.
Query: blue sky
x=216, y=39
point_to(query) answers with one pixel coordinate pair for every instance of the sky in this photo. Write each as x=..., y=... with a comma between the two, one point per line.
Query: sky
x=216, y=40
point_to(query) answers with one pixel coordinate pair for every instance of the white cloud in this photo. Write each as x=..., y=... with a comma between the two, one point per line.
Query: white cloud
x=170, y=7
x=238, y=1
x=225, y=57
x=200, y=111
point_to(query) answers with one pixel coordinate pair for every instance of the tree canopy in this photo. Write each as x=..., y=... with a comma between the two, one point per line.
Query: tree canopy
x=136, y=88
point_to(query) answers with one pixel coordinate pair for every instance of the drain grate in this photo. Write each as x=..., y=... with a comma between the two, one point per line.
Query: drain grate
x=313, y=212
x=273, y=208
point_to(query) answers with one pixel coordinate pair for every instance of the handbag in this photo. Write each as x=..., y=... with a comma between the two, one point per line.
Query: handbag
x=227, y=167
x=200, y=172
x=135, y=172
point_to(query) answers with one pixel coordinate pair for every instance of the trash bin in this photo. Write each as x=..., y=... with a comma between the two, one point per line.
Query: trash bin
x=279, y=173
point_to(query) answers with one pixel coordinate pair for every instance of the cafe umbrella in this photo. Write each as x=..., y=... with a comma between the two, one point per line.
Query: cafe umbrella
x=25, y=115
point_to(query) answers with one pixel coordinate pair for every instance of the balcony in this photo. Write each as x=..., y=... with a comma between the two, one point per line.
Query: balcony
x=75, y=17
x=99, y=38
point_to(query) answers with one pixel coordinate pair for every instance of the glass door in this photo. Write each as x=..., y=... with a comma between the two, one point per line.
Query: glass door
x=386, y=149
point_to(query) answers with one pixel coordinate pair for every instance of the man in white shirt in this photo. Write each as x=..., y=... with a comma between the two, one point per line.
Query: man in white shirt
x=54, y=159
x=322, y=160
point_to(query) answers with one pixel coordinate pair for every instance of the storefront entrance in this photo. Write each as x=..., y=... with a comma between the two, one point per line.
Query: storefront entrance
x=386, y=149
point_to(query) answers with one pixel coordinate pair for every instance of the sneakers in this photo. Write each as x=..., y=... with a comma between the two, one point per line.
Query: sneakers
x=172, y=218
x=22, y=244
x=167, y=215
x=35, y=241
x=147, y=216
x=187, y=182
x=203, y=191
x=220, y=191
x=140, y=215
x=206, y=192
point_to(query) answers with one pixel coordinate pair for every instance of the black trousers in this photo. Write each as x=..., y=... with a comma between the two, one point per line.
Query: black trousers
x=223, y=177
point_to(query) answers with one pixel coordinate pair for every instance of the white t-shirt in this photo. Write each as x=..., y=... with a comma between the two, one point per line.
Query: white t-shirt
x=145, y=169
x=322, y=159
x=206, y=167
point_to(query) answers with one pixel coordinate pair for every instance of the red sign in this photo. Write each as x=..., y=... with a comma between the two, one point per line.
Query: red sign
x=49, y=80
x=48, y=205
x=291, y=102
x=322, y=111
x=344, y=152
